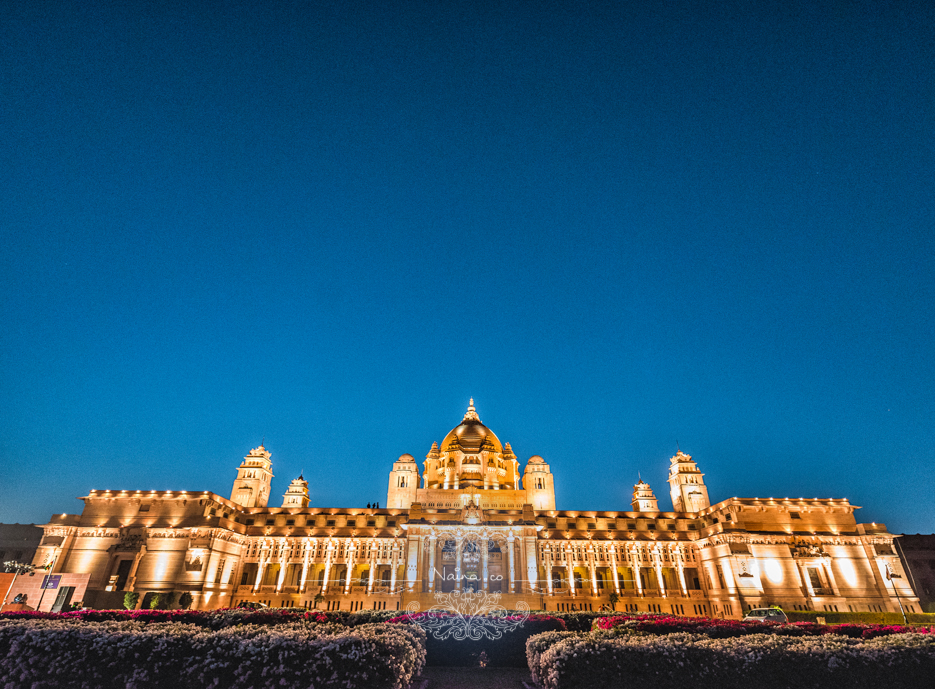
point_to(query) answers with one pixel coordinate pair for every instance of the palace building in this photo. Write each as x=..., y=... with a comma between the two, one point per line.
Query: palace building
x=471, y=517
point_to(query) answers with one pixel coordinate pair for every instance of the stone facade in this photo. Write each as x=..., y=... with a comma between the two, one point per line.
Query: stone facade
x=470, y=519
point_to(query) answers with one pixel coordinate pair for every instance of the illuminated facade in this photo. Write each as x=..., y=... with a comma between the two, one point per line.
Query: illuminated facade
x=470, y=518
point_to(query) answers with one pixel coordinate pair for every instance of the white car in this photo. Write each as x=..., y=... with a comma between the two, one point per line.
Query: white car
x=766, y=615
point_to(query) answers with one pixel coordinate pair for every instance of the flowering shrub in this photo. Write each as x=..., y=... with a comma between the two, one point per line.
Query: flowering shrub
x=42, y=654
x=211, y=619
x=600, y=659
x=537, y=645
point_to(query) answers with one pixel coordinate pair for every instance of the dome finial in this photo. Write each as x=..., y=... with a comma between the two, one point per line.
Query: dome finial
x=471, y=412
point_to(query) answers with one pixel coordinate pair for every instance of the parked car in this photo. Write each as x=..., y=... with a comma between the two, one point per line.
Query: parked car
x=251, y=605
x=766, y=615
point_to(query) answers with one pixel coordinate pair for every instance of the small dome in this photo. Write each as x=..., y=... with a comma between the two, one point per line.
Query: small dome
x=406, y=458
x=536, y=459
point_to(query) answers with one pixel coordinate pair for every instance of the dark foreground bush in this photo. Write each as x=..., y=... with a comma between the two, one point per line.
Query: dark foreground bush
x=45, y=654
x=605, y=660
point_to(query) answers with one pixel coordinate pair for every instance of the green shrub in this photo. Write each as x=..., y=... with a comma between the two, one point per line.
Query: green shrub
x=185, y=600
x=130, y=599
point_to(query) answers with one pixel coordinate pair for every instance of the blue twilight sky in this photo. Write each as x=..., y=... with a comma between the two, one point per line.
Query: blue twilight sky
x=617, y=226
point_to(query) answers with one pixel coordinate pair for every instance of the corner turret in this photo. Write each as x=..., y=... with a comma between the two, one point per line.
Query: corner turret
x=251, y=487
x=643, y=498
x=686, y=484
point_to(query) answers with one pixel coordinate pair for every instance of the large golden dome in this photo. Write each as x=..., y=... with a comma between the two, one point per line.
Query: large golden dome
x=472, y=435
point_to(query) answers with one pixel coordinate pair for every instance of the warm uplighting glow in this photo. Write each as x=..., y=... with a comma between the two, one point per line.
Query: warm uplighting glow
x=773, y=571
x=848, y=572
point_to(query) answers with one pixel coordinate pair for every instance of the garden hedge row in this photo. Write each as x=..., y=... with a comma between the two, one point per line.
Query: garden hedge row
x=212, y=619
x=861, y=617
x=50, y=654
x=599, y=660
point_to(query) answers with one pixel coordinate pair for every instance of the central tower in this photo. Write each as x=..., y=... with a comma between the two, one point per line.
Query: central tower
x=470, y=459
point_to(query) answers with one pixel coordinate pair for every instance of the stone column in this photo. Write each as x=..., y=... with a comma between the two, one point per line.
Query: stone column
x=485, y=547
x=637, y=575
x=547, y=554
x=681, y=570
x=64, y=550
x=510, y=541
x=433, y=544
x=394, y=564
x=831, y=579
x=662, y=582
x=412, y=563
x=349, y=558
x=532, y=565
x=304, y=578
x=329, y=550
x=570, y=565
x=261, y=564
x=613, y=566
x=131, y=580
x=282, y=574
x=373, y=567
x=592, y=568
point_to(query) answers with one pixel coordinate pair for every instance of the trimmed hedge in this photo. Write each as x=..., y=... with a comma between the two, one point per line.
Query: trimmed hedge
x=47, y=654
x=860, y=617
x=212, y=619
x=600, y=660
x=722, y=629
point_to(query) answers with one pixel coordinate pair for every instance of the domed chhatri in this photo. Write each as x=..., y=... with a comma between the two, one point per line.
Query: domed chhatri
x=471, y=434
x=471, y=457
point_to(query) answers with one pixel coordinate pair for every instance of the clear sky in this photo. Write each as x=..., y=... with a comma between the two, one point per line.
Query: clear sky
x=617, y=226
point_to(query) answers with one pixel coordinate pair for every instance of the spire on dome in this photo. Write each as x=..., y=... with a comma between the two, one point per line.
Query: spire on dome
x=471, y=414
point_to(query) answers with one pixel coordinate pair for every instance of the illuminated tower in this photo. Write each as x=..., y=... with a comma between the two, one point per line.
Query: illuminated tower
x=686, y=484
x=537, y=480
x=251, y=487
x=643, y=498
x=404, y=482
x=297, y=493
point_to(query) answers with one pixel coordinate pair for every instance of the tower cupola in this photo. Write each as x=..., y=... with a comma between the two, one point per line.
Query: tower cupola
x=297, y=493
x=251, y=487
x=686, y=484
x=643, y=498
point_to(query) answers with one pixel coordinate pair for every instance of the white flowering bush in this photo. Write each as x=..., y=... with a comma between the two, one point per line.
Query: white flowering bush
x=42, y=654
x=763, y=661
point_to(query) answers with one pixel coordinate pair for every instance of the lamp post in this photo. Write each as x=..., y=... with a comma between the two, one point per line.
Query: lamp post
x=17, y=568
x=890, y=575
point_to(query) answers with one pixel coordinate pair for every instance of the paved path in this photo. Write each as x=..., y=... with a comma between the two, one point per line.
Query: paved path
x=475, y=678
